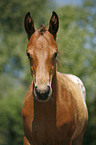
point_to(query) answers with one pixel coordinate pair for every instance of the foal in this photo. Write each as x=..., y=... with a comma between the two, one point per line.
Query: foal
x=54, y=110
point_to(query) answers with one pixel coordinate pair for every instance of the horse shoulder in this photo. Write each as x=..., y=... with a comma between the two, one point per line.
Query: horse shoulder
x=28, y=111
x=79, y=83
x=28, y=101
x=75, y=85
x=78, y=99
x=65, y=106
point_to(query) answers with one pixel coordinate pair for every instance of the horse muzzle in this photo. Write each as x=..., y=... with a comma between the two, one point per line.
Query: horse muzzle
x=42, y=94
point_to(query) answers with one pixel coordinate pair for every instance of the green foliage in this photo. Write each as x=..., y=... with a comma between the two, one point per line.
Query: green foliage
x=14, y=67
x=11, y=120
x=78, y=53
x=76, y=41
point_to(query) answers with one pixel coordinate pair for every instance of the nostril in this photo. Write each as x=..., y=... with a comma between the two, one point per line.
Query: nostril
x=48, y=89
x=35, y=87
x=36, y=90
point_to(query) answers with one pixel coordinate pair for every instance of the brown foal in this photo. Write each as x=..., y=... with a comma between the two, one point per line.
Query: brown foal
x=54, y=110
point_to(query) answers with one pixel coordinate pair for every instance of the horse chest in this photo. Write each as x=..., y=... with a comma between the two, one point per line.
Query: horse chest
x=47, y=133
x=48, y=128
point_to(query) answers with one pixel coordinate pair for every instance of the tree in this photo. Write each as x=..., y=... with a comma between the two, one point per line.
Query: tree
x=14, y=69
x=77, y=46
x=78, y=53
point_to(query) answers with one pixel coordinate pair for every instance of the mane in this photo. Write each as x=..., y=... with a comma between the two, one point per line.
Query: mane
x=42, y=29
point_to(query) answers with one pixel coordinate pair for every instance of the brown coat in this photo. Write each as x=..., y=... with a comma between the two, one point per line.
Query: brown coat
x=54, y=110
x=60, y=120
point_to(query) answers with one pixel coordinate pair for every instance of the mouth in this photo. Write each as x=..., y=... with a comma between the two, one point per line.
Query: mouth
x=42, y=98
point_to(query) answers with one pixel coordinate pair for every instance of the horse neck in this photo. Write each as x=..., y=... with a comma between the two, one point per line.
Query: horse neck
x=47, y=110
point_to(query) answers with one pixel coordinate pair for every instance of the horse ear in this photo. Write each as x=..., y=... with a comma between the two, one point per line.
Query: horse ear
x=29, y=25
x=54, y=24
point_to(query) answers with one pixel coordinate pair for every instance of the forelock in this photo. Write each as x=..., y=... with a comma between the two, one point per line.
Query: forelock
x=42, y=30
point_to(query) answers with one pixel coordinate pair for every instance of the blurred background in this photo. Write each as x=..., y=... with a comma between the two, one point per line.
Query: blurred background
x=76, y=41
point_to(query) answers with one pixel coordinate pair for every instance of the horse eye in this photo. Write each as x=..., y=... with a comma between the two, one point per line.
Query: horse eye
x=55, y=55
x=28, y=55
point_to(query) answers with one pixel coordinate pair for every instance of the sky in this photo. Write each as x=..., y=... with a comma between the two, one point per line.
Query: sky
x=66, y=2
